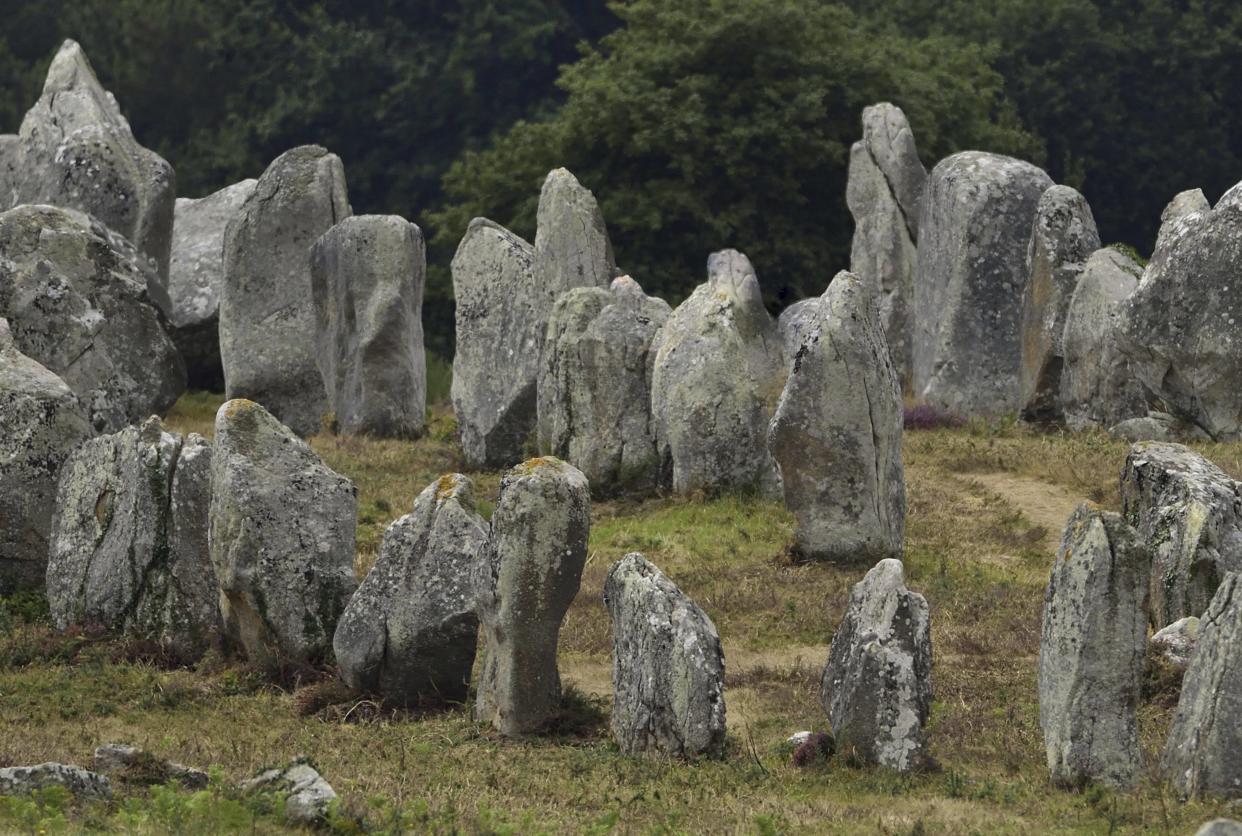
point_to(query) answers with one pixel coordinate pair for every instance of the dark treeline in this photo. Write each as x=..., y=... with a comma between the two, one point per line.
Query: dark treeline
x=699, y=124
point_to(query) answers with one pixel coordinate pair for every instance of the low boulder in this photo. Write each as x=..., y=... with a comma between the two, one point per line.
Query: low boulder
x=307, y=795
x=133, y=762
x=1157, y=426
x=85, y=785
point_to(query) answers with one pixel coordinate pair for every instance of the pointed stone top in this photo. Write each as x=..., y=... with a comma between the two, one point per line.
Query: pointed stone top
x=623, y=285
x=1183, y=203
x=730, y=272
x=450, y=487
x=69, y=69
x=890, y=143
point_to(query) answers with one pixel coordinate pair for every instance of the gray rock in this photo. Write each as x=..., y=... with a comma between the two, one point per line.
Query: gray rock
x=528, y=574
x=409, y=632
x=23, y=780
x=76, y=150
x=876, y=686
x=884, y=191
x=1063, y=237
x=79, y=301
x=308, y=797
x=1179, y=328
x=119, y=757
x=267, y=313
x=1184, y=203
x=282, y=538
x=571, y=241
x=719, y=370
x=1097, y=388
x=10, y=159
x=1220, y=827
x=1190, y=514
x=793, y=324
x=195, y=277
x=836, y=435
x=43, y=423
x=667, y=666
x=1176, y=642
x=129, y=546
x=974, y=229
x=1157, y=426
x=367, y=277
x=1203, y=755
x=594, y=395
x=1091, y=654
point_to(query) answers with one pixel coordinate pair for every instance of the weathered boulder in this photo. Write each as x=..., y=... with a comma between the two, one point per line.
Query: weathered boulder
x=307, y=795
x=195, y=277
x=667, y=666
x=367, y=277
x=594, y=394
x=129, y=539
x=1157, y=426
x=1063, y=237
x=1091, y=654
x=836, y=435
x=1203, y=755
x=10, y=153
x=1220, y=827
x=76, y=150
x=876, y=686
x=571, y=241
x=267, y=312
x=1184, y=203
x=79, y=301
x=974, y=228
x=719, y=370
x=1190, y=514
x=885, y=188
x=792, y=326
x=282, y=538
x=1176, y=642
x=43, y=423
x=120, y=757
x=1179, y=329
x=23, y=780
x=409, y=632
x=1097, y=388
x=528, y=574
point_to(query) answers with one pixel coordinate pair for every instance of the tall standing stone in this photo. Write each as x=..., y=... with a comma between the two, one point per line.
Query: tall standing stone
x=571, y=241
x=1091, y=655
x=409, y=632
x=667, y=666
x=43, y=423
x=528, y=575
x=195, y=277
x=1183, y=204
x=885, y=188
x=282, y=538
x=719, y=370
x=974, y=229
x=76, y=150
x=1063, y=237
x=876, y=686
x=267, y=313
x=836, y=435
x=367, y=277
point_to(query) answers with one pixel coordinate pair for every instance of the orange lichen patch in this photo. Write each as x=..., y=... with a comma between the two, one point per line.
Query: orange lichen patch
x=531, y=466
x=237, y=406
x=447, y=485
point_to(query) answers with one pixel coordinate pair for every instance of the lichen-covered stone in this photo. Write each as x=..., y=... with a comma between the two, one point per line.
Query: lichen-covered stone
x=876, y=686
x=792, y=326
x=78, y=299
x=1189, y=512
x=571, y=241
x=23, y=780
x=1220, y=827
x=409, y=632
x=282, y=538
x=267, y=311
x=1091, y=655
x=367, y=276
x=119, y=757
x=307, y=795
x=836, y=435
x=528, y=575
x=1176, y=642
x=1157, y=426
x=1185, y=203
x=719, y=370
x=43, y=423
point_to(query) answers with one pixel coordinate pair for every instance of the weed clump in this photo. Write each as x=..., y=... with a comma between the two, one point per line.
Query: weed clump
x=815, y=751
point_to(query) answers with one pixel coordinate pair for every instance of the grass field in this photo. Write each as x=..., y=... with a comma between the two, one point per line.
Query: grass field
x=986, y=506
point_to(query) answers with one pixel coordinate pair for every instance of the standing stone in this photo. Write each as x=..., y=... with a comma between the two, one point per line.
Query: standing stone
x=885, y=188
x=667, y=666
x=1091, y=655
x=76, y=150
x=1063, y=237
x=974, y=229
x=876, y=686
x=267, y=313
x=528, y=574
x=409, y=632
x=282, y=538
x=43, y=423
x=1179, y=330
x=594, y=393
x=195, y=277
x=79, y=301
x=367, y=275
x=1190, y=514
x=1097, y=388
x=10, y=159
x=571, y=241
x=719, y=370
x=1203, y=755
x=1183, y=204
x=129, y=546
x=836, y=435
x=793, y=324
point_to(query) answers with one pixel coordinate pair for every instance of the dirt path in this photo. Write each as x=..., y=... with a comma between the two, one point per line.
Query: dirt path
x=1044, y=504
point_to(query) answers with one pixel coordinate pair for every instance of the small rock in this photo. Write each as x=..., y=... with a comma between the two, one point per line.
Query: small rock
x=798, y=738
x=308, y=797
x=22, y=780
x=1220, y=827
x=1176, y=642
x=118, y=757
x=1157, y=426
